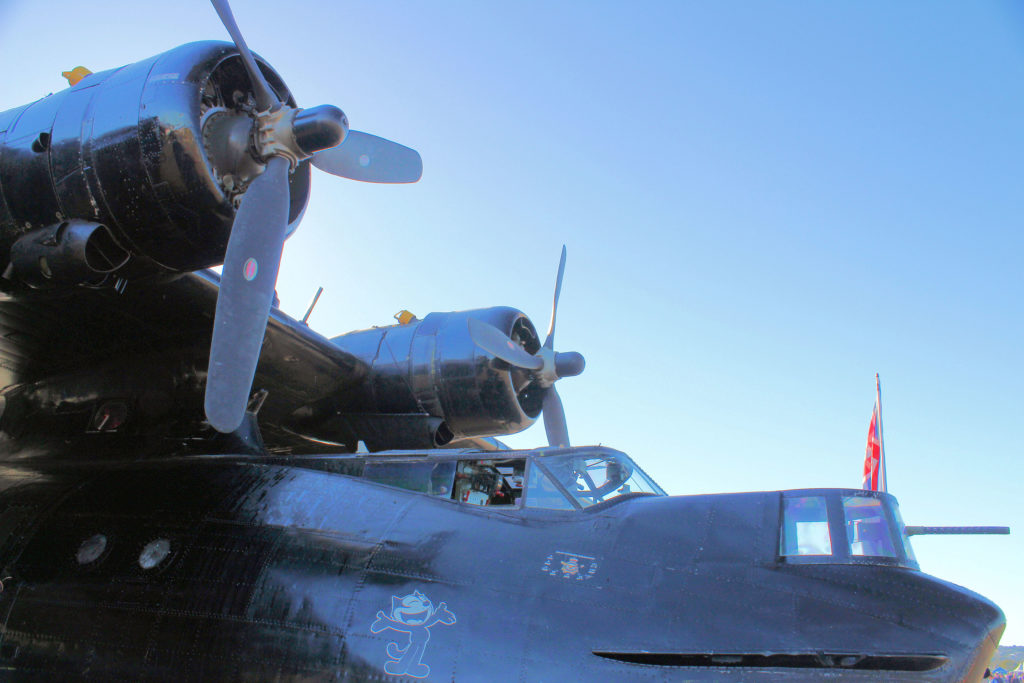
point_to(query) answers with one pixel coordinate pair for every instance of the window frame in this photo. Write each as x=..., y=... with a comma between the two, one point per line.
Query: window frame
x=837, y=530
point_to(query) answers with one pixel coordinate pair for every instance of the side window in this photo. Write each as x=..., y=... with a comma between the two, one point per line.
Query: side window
x=542, y=493
x=489, y=482
x=432, y=478
x=907, y=548
x=805, y=527
x=867, y=529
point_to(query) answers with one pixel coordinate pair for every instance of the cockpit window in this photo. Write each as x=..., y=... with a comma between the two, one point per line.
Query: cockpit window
x=541, y=492
x=557, y=481
x=903, y=533
x=805, y=527
x=432, y=478
x=489, y=482
x=843, y=526
x=477, y=482
x=591, y=479
x=867, y=529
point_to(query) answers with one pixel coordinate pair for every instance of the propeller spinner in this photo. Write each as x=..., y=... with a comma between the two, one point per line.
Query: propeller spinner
x=277, y=136
x=545, y=368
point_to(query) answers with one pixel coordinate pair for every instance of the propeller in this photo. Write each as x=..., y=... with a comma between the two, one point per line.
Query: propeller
x=498, y=344
x=546, y=367
x=282, y=136
x=371, y=159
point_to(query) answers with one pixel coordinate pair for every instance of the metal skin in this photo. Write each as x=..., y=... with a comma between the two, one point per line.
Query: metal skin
x=433, y=366
x=320, y=393
x=66, y=254
x=278, y=570
x=141, y=167
x=137, y=543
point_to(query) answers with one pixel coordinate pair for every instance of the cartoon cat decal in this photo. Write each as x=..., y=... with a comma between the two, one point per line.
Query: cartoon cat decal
x=414, y=615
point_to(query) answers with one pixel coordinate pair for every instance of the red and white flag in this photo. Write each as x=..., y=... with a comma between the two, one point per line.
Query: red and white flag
x=874, y=455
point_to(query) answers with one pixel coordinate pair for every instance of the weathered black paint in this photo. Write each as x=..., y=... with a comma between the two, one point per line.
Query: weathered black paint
x=276, y=572
x=140, y=166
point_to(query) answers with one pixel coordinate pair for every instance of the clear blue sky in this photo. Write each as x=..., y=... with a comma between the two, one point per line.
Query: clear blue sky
x=764, y=204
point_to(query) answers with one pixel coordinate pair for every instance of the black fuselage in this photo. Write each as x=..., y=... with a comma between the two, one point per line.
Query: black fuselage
x=207, y=568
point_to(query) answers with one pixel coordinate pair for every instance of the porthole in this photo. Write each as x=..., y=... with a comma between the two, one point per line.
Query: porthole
x=154, y=553
x=91, y=549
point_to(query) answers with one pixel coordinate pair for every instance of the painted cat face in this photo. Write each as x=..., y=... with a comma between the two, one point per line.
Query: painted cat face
x=412, y=609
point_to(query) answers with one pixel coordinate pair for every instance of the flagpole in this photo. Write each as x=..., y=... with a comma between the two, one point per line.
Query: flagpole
x=883, y=480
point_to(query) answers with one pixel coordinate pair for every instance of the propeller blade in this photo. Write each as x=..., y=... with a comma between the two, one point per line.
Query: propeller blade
x=265, y=98
x=554, y=419
x=246, y=292
x=371, y=159
x=497, y=343
x=549, y=343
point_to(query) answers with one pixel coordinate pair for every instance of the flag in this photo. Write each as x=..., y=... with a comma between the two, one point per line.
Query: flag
x=874, y=455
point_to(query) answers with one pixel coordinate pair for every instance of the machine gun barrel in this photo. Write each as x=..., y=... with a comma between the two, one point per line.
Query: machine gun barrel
x=955, y=530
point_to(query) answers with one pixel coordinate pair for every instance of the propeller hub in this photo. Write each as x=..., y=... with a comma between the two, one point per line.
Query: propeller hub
x=298, y=134
x=548, y=374
x=558, y=365
x=275, y=135
x=319, y=128
x=569, y=364
x=227, y=137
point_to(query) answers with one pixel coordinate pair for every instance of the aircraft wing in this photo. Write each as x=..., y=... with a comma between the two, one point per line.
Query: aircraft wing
x=59, y=352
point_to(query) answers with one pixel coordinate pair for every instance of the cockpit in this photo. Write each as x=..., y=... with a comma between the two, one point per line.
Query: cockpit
x=553, y=479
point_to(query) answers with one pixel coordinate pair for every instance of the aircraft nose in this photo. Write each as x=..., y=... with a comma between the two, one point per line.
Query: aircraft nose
x=992, y=622
x=964, y=626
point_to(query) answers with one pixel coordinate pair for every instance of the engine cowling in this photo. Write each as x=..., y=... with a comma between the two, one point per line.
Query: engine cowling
x=430, y=374
x=130, y=149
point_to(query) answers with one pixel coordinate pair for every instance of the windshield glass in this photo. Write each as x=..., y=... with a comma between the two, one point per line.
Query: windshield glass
x=805, y=527
x=867, y=530
x=843, y=526
x=903, y=533
x=432, y=478
x=585, y=479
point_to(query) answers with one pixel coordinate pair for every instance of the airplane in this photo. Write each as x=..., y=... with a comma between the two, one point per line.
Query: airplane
x=196, y=486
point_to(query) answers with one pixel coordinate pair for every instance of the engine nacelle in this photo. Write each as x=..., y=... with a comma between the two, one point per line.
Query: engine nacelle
x=129, y=149
x=431, y=368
